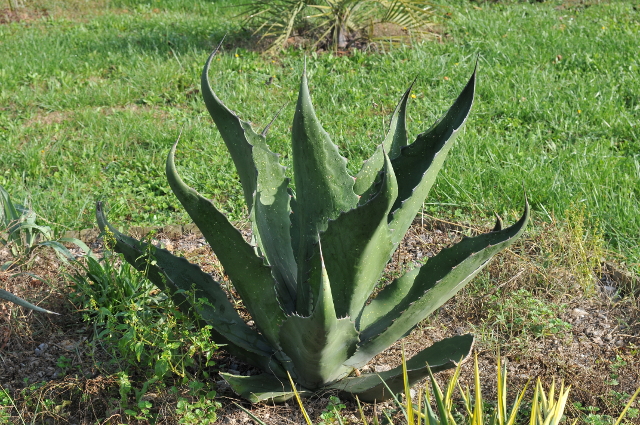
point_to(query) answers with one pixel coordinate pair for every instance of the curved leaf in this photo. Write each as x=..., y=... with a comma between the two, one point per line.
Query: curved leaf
x=400, y=306
x=419, y=163
x=265, y=387
x=175, y=275
x=248, y=273
x=236, y=133
x=442, y=355
x=19, y=301
x=395, y=139
x=357, y=246
x=270, y=216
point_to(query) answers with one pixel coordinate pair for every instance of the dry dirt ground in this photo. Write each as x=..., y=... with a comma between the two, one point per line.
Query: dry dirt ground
x=598, y=355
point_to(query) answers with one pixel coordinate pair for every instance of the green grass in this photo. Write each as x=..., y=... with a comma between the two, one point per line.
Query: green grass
x=90, y=106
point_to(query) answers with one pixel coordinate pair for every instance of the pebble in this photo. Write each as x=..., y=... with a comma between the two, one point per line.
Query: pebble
x=578, y=312
x=40, y=349
x=381, y=368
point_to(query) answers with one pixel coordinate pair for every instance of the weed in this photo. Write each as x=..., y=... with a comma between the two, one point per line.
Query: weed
x=331, y=414
x=64, y=363
x=584, y=248
x=24, y=235
x=6, y=405
x=137, y=325
x=200, y=411
x=522, y=315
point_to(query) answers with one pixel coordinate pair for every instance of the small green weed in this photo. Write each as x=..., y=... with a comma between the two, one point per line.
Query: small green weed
x=331, y=414
x=201, y=411
x=522, y=315
x=6, y=405
x=64, y=363
x=584, y=247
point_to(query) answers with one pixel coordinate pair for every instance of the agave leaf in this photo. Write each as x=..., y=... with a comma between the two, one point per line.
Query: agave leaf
x=419, y=163
x=263, y=387
x=395, y=139
x=320, y=343
x=261, y=175
x=175, y=275
x=357, y=246
x=236, y=133
x=8, y=213
x=63, y=253
x=324, y=188
x=404, y=303
x=272, y=224
x=250, y=276
x=440, y=356
x=19, y=301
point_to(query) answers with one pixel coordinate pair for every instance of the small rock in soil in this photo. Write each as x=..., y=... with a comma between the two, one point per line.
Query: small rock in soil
x=40, y=349
x=382, y=368
x=578, y=312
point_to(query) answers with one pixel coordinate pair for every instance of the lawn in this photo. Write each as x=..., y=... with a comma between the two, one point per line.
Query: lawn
x=94, y=93
x=92, y=100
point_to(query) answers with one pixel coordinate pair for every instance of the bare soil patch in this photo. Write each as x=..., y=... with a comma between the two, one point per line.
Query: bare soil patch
x=21, y=14
x=598, y=355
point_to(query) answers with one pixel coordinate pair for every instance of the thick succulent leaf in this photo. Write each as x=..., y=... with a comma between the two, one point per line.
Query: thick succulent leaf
x=8, y=212
x=175, y=275
x=356, y=248
x=19, y=301
x=324, y=188
x=400, y=306
x=272, y=223
x=319, y=344
x=442, y=355
x=248, y=273
x=419, y=163
x=395, y=139
x=265, y=387
x=236, y=133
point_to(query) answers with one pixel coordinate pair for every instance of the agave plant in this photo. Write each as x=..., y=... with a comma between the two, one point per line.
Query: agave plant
x=319, y=253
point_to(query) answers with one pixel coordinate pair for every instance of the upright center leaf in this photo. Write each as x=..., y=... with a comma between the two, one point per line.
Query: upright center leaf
x=324, y=188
